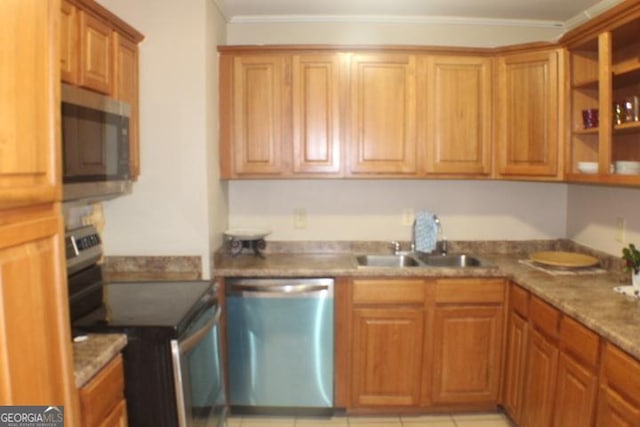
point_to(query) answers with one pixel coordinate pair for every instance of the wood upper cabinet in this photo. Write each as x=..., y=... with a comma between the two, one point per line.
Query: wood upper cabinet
x=381, y=128
x=528, y=119
x=467, y=341
x=455, y=114
x=254, y=105
x=95, y=53
x=387, y=336
x=515, y=352
x=281, y=114
x=30, y=103
x=619, y=394
x=68, y=42
x=316, y=114
x=126, y=89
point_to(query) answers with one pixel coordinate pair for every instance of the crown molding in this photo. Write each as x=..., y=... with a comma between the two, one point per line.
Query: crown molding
x=390, y=19
x=590, y=13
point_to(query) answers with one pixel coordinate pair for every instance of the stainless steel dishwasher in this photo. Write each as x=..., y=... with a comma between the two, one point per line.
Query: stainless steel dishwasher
x=280, y=344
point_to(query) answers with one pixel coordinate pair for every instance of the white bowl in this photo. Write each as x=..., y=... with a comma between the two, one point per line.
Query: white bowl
x=627, y=167
x=588, y=167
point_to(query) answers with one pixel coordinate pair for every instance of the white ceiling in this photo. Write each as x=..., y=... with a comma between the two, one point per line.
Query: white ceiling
x=559, y=13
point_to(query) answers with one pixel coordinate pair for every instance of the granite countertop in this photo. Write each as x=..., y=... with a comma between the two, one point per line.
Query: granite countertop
x=589, y=298
x=91, y=355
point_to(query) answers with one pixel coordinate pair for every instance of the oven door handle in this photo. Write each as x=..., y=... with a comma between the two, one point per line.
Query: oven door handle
x=178, y=349
x=187, y=343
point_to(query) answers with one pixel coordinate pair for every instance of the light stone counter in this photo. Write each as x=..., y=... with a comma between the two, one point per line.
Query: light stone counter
x=90, y=356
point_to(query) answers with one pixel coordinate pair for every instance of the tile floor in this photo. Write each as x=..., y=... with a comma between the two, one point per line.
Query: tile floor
x=453, y=420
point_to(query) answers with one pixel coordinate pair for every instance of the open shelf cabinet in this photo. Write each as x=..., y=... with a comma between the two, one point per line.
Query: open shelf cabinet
x=604, y=70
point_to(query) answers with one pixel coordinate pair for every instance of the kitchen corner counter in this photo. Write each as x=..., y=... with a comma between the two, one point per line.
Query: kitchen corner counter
x=589, y=298
x=90, y=356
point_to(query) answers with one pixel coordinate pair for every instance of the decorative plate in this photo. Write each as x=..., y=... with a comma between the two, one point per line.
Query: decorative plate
x=563, y=259
x=247, y=233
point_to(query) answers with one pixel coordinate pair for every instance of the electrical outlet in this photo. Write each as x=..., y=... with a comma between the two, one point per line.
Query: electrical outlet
x=620, y=229
x=408, y=216
x=300, y=218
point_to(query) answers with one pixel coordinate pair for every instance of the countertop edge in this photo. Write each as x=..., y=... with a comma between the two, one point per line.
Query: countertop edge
x=93, y=354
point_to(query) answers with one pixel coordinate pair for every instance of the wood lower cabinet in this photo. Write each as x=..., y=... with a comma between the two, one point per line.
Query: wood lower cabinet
x=386, y=356
x=467, y=341
x=541, y=365
x=515, y=352
x=425, y=343
x=36, y=363
x=388, y=321
x=102, y=399
x=529, y=115
x=619, y=394
x=577, y=377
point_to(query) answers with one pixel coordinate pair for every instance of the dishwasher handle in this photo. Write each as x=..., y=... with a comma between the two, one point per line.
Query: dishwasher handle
x=282, y=288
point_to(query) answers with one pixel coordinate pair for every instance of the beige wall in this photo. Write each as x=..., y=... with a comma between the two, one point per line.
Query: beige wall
x=373, y=210
x=592, y=213
x=443, y=34
x=178, y=205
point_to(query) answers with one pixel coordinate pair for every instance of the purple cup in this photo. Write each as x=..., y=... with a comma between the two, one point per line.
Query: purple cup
x=590, y=118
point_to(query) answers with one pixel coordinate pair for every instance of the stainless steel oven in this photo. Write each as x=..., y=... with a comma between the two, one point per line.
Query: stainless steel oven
x=173, y=373
x=197, y=371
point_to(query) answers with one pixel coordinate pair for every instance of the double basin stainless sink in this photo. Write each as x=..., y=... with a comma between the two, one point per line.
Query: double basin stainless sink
x=419, y=259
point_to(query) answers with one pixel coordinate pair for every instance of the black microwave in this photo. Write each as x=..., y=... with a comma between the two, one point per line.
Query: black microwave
x=95, y=145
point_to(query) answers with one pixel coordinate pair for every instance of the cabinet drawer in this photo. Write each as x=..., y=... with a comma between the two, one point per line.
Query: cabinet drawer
x=392, y=291
x=469, y=290
x=621, y=372
x=544, y=317
x=519, y=301
x=581, y=342
x=103, y=393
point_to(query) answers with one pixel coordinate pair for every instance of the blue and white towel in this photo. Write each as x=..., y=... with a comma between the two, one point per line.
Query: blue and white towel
x=426, y=232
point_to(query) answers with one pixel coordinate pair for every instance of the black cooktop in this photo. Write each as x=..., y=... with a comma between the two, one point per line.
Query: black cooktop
x=168, y=305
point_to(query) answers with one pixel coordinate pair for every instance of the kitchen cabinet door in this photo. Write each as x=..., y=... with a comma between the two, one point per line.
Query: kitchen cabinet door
x=36, y=365
x=575, y=394
x=96, y=53
x=619, y=395
x=387, y=355
x=316, y=85
x=467, y=345
x=68, y=42
x=516, y=350
x=126, y=89
x=253, y=111
x=381, y=134
x=458, y=122
x=528, y=115
x=29, y=103
x=102, y=399
x=540, y=381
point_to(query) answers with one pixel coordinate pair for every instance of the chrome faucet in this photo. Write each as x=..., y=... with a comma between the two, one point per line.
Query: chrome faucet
x=442, y=241
x=396, y=247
